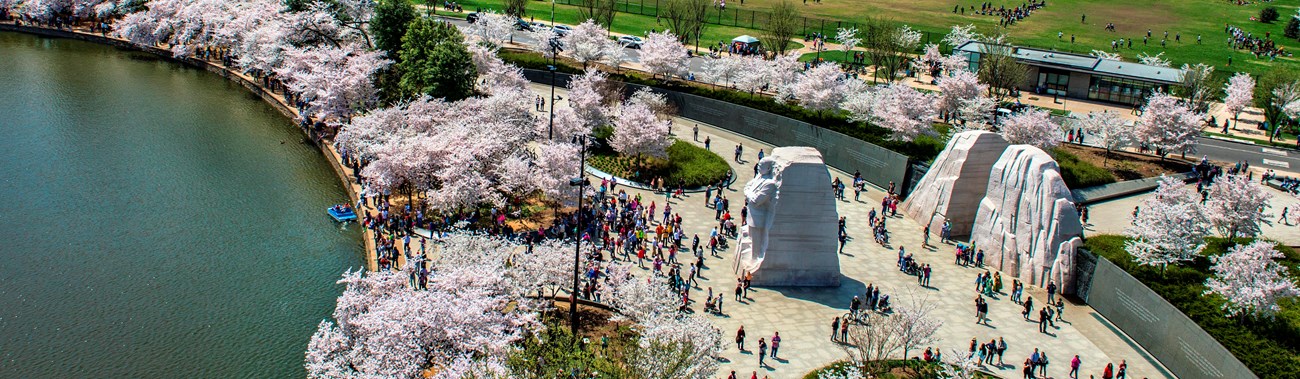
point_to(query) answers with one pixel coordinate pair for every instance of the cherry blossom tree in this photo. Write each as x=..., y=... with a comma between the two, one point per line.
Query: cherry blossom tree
x=1170, y=226
x=904, y=110
x=587, y=42
x=1168, y=125
x=848, y=39
x=1286, y=98
x=499, y=78
x=930, y=57
x=820, y=88
x=1240, y=93
x=916, y=324
x=962, y=365
x=491, y=28
x=567, y=124
x=677, y=346
x=587, y=97
x=1106, y=55
x=467, y=317
x=335, y=82
x=657, y=102
x=977, y=113
x=1251, y=281
x=957, y=88
x=556, y=163
x=724, y=69
x=542, y=38
x=1108, y=129
x=663, y=54
x=961, y=34
x=1157, y=60
x=1236, y=205
x=1031, y=127
x=638, y=131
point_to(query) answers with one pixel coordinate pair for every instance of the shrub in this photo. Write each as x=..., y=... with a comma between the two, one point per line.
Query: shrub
x=691, y=164
x=1268, y=14
x=1292, y=28
x=1268, y=348
x=1079, y=174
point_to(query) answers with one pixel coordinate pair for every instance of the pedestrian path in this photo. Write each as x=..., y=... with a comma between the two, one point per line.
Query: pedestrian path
x=803, y=315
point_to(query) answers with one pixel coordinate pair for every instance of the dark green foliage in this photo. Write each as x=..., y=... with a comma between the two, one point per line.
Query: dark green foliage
x=923, y=149
x=1268, y=348
x=1278, y=76
x=691, y=164
x=554, y=350
x=921, y=369
x=433, y=61
x=1079, y=174
x=1268, y=14
x=389, y=24
x=1292, y=28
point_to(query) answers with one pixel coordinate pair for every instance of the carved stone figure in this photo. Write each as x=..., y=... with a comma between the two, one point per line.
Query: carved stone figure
x=953, y=187
x=789, y=238
x=1027, y=218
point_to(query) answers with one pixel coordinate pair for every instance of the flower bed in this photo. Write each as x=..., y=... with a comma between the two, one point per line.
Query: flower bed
x=691, y=164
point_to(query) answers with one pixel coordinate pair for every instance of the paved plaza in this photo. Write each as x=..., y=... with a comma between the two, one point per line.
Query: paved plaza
x=803, y=315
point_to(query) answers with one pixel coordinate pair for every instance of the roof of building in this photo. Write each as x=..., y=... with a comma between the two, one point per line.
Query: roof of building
x=1088, y=63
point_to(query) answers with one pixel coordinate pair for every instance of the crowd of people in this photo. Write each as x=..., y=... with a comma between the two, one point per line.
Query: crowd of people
x=1007, y=16
x=1260, y=47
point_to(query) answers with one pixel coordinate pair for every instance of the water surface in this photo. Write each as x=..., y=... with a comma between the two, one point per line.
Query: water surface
x=155, y=221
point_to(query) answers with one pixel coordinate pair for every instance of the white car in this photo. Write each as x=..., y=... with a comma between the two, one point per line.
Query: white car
x=631, y=42
x=562, y=30
x=537, y=26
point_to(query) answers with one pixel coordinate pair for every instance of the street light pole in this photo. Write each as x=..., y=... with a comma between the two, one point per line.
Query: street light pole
x=580, y=181
x=550, y=129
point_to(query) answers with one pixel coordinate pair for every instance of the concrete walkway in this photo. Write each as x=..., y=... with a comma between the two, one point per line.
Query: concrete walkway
x=803, y=315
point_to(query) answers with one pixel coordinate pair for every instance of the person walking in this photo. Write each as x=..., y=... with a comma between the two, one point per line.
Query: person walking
x=1122, y=373
x=740, y=338
x=1109, y=372
x=1051, y=292
x=1074, y=366
x=1002, y=349
x=695, y=133
x=739, y=289
x=762, y=352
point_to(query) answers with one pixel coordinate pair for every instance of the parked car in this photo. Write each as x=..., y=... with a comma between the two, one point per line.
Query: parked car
x=471, y=17
x=562, y=30
x=631, y=42
x=537, y=26
x=523, y=25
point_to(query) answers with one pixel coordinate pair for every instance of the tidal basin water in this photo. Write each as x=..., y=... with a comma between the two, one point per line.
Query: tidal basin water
x=156, y=221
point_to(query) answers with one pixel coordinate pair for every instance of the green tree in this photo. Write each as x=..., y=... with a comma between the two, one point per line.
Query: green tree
x=389, y=24
x=781, y=27
x=434, y=61
x=1268, y=15
x=1271, y=80
x=1292, y=28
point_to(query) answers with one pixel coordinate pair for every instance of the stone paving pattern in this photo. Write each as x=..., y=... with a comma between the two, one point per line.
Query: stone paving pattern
x=803, y=315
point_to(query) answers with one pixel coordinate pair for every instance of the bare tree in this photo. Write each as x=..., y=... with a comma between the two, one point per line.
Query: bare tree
x=781, y=27
x=890, y=47
x=1197, y=86
x=602, y=11
x=516, y=8
x=869, y=345
x=915, y=326
x=686, y=17
x=998, y=67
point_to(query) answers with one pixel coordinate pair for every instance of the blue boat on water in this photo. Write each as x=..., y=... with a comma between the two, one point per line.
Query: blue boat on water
x=342, y=213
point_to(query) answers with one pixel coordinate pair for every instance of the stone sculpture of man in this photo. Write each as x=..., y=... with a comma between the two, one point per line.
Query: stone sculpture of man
x=761, y=196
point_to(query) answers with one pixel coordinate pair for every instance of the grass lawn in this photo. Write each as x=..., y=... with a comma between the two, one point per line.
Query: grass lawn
x=1131, y=19
x=1268, y=348
x=935, y=17
x=691, y=164
x=626, y=23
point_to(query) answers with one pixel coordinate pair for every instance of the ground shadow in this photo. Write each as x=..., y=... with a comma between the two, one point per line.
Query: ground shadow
x=834, y=297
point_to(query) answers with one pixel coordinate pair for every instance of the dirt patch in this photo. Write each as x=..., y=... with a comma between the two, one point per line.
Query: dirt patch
x=1128, y=166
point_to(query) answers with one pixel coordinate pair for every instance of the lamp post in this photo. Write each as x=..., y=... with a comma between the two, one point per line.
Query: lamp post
x=581, y=182
x=550, y=129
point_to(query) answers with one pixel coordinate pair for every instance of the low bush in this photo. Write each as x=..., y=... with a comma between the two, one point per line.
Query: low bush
x=1079, y=174
x=1268, y=15
x=1269, y=348
x=688, y=164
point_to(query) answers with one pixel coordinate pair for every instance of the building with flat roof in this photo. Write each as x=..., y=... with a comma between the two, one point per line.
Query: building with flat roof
x=1082, y=76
